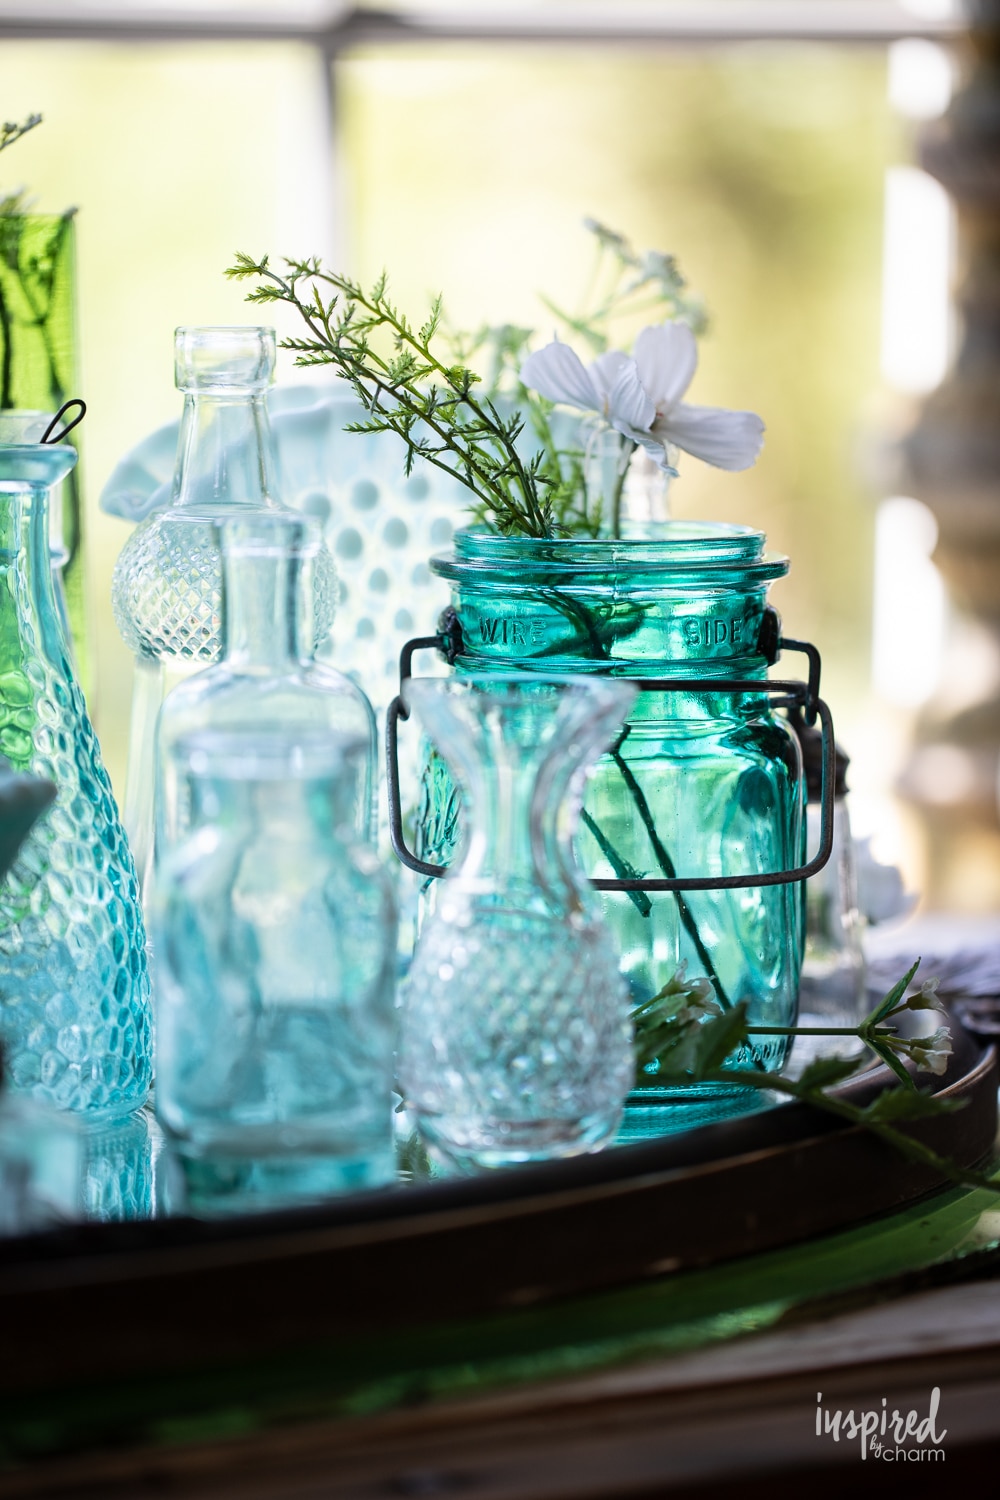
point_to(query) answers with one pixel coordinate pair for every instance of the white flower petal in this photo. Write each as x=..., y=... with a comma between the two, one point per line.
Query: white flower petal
x=727, y=439
x=558, y=374
x=666, y=356
x=606, y=369
x=629, y=408
x=655, y=445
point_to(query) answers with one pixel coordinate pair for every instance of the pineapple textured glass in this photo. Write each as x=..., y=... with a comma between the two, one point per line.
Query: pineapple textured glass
x=516, y=1036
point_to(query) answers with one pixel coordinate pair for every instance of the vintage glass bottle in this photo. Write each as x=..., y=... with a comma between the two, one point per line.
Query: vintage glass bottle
x=74, y=987
x=703, y=783
x=268, y=676
x=516, y=1038
x=274, y=941
x=168, y=576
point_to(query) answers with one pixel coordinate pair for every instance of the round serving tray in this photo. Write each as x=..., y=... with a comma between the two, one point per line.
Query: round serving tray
x=117, y=1299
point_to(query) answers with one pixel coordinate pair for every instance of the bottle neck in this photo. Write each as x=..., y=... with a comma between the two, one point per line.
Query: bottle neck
x=30, y=620
x=225, y=451
x=266, y=609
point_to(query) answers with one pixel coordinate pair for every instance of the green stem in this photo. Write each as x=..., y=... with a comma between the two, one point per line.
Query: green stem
x=669, y=872
x=905, y=1144
x=626, y=449
x=804, y=1031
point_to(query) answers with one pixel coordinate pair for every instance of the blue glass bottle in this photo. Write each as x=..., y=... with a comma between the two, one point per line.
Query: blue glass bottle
x=74, y=987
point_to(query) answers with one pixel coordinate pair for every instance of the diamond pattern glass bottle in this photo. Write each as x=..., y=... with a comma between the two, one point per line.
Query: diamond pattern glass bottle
x=74, y=988
x=168, y=578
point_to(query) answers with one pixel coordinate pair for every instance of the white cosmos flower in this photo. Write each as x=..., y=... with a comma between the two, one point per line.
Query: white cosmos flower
x=640, y=397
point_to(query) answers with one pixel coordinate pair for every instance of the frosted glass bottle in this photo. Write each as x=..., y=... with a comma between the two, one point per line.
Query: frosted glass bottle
x=268, y=679
x=74, y=988
x=168, y=578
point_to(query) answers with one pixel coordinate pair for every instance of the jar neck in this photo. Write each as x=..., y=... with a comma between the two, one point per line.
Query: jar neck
x=267, y=609
x=225, y=451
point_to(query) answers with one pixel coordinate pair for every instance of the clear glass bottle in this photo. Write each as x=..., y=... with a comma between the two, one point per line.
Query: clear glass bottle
x=75, y=1005
x=168, y=577
x=701, y=784
x=516, y=1038
x=268, y=677
x=274, y=938
x=832, y=987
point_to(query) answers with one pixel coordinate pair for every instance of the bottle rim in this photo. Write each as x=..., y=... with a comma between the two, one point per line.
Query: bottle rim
x=683, y=548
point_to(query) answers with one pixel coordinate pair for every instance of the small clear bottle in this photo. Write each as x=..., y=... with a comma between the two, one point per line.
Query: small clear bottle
x=274, y=940
x=832, y=983
x=168, y=577
x=516, y=1040
x=267, y=678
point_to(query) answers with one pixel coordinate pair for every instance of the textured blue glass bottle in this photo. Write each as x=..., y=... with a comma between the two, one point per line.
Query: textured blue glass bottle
x=702, y=784
x=74, y=987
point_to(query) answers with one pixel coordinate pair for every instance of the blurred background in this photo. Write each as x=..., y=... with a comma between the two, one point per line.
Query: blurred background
x=780, y=150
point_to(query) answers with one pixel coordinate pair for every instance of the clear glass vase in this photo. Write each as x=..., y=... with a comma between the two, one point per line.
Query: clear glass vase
x=268, y=676
x=74, y=987
x=702, y=784
x=166, y=590
x=516, y=1037
x=274, y=940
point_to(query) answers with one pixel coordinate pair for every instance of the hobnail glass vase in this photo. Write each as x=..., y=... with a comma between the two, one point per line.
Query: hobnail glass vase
x=167, y=583
x=274, y=938
x=703, y=783
x=268, y=675
x=74, y=988
x=516, y=1037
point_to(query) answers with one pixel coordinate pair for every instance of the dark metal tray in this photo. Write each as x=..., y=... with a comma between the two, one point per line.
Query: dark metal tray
x=101, y=1300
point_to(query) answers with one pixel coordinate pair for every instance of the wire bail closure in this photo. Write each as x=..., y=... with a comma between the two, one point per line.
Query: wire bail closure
x=782, y=693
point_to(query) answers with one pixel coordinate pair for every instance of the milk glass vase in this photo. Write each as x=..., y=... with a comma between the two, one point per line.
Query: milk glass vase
x=274, y=939
x=516, y=1036
x=74, y=988
x=268, y=675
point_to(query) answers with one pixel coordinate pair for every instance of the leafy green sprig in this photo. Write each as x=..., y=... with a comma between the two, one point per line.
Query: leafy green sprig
x=687, y=1034
x=431, y=405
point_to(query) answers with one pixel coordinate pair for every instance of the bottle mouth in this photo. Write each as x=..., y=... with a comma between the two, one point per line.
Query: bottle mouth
x=19, y=428
x=29, y=465
x=224, y=359
x=686, y=547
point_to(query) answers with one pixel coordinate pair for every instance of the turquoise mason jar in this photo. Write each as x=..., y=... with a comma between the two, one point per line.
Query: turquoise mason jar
x=701, y=784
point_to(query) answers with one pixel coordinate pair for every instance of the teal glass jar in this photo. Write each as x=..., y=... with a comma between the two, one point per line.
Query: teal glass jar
x=703, y=783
